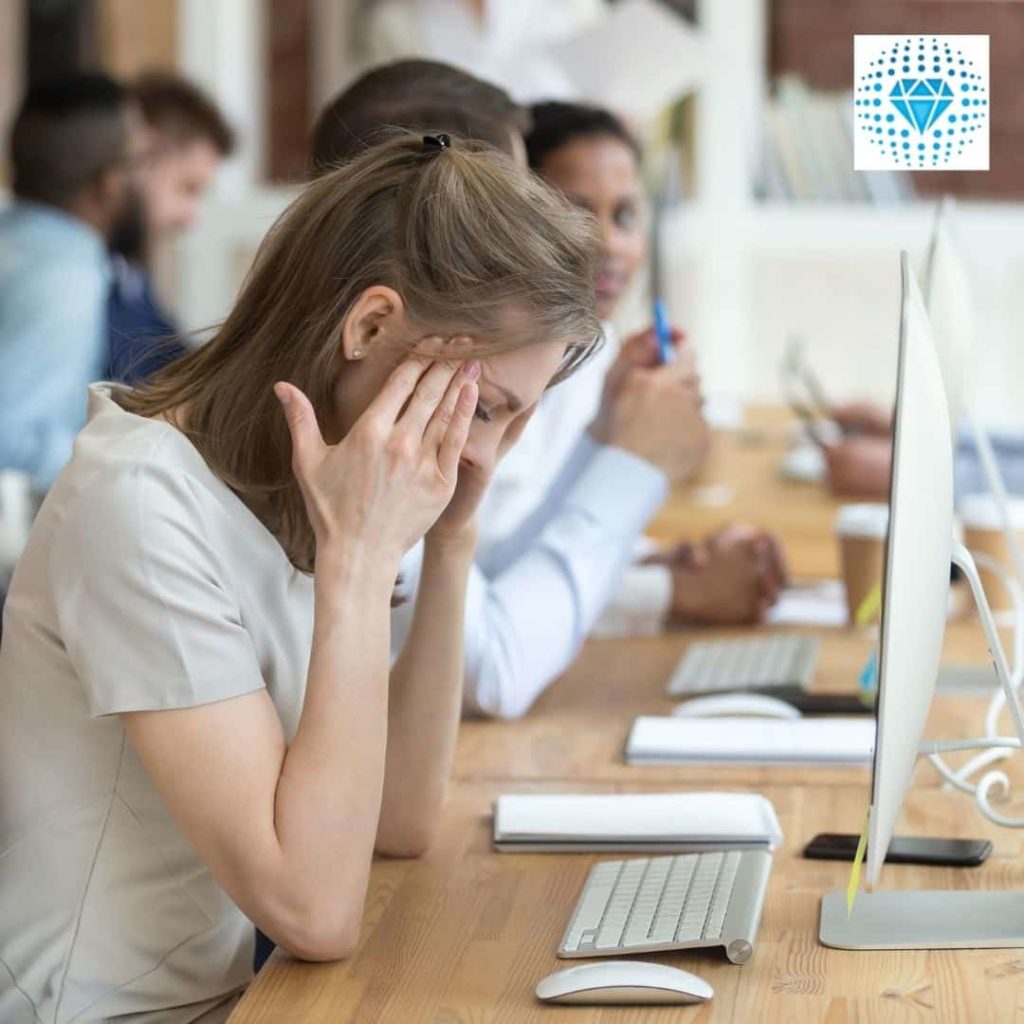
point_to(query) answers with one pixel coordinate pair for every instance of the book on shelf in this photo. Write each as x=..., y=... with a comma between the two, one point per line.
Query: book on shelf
x=807, y=150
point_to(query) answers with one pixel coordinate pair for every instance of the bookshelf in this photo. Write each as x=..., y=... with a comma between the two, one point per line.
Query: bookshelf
x=748, y=273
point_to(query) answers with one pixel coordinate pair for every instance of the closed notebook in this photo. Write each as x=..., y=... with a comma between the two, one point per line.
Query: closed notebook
x=642, y=822
x=655, y=740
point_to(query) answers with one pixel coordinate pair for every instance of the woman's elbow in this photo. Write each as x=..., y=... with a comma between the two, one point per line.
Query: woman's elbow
x=320, y=935
x=409, y=844
x=496, y=696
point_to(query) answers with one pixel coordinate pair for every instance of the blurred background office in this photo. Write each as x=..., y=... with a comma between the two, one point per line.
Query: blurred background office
x=766, y=232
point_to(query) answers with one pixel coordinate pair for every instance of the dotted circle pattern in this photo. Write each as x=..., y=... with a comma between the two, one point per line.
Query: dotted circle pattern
x=951, y=132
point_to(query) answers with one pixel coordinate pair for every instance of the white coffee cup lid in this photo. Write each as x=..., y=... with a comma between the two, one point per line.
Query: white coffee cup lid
x=866, y=520
x=980, y=512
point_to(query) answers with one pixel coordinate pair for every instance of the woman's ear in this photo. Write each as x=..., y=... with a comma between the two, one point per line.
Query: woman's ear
x=377, y=314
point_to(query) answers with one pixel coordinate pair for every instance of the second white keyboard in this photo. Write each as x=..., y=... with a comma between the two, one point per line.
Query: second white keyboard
x=768, y=663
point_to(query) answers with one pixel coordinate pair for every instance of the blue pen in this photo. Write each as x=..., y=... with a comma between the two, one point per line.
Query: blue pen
x=664, y=333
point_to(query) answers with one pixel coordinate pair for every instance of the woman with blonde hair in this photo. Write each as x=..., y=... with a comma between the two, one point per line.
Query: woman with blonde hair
x=198, y=720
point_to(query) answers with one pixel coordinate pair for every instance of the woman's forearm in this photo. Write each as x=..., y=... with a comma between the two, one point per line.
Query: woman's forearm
x=425, y=702
x=329, y=792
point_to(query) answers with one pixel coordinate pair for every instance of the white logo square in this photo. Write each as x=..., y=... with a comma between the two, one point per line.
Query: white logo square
x=920, y=103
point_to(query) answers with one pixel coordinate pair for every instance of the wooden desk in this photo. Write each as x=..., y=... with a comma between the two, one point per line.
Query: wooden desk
x=577, y=729
x=463, y=935
x=743, y=471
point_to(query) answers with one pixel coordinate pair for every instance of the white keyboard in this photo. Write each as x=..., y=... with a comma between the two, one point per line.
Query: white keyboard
x=649, y=904
x=767, y=663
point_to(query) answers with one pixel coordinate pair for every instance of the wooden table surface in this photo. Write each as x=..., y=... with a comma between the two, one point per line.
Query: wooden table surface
x=463, y=935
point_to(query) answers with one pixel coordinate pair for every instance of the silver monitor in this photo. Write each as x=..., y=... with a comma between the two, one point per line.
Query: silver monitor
x=915, y=594
x=947, y=294
x=915, y=589
x=947, y=291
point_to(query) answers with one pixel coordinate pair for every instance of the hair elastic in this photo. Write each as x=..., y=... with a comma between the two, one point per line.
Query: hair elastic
x=441, y=141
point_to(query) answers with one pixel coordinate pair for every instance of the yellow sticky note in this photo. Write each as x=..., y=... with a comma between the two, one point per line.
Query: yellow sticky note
x=854, y=884
x=870, y=606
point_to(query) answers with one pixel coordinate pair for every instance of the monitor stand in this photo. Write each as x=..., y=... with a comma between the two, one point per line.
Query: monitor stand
x=966, y=680
x=953, y=919
x=956, y=919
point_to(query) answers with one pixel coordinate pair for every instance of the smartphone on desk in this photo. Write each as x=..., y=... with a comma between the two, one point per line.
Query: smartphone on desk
x=953, y=853
x=821, y=703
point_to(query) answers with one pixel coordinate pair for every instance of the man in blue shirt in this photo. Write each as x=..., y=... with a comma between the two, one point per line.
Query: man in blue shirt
x=189, y=138
x=75, y=149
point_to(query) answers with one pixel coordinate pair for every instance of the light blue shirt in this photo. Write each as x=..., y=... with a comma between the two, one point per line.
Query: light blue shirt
x=54, y=282
x=1008, y=448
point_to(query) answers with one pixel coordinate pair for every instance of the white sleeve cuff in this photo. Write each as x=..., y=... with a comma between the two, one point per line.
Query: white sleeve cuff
x=640, y=605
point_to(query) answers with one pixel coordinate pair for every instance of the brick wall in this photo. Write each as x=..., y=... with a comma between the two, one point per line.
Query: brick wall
x=814, y=38
x=289, y=88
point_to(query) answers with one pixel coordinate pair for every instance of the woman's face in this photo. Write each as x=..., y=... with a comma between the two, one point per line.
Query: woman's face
x=510, y=384
x=600, y=174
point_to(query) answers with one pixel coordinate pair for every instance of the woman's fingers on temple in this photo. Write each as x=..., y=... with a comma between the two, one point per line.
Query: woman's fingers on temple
x=457, y=434
x=307, y=440
x=427, y=397
x=445, y=411
x=398, y=388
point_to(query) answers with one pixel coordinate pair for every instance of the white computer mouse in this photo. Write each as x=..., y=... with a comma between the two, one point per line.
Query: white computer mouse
x=724, y=705
x=624, y=981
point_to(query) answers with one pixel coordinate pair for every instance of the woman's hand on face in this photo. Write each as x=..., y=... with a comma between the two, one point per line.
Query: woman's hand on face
x=388, y=480
x=457, y=522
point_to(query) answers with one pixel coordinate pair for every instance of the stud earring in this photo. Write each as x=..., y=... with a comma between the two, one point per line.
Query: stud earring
x=357, y=353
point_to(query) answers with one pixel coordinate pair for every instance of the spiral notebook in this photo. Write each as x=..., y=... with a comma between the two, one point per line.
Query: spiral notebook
x=634, y=823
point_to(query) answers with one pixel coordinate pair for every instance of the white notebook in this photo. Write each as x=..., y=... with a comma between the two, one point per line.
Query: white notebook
x=654, y=740
x=628, y=822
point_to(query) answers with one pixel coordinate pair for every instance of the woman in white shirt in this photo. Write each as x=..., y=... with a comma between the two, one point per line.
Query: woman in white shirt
x=732, y=576
x=198, y=723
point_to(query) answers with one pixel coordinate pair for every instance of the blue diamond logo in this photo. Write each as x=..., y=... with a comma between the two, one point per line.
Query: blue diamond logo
x=922, y=101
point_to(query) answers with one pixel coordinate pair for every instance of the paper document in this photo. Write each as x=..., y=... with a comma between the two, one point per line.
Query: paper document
x=636, y=821
x=822, y=604
x=654, y=740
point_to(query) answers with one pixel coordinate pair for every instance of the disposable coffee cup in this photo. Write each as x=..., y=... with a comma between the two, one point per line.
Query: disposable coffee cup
x=861, y=530
x=983, y=533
